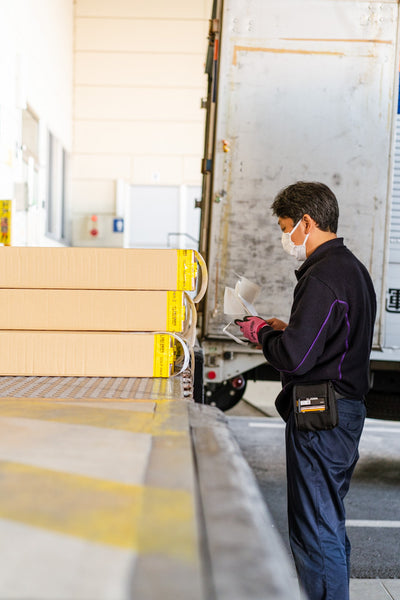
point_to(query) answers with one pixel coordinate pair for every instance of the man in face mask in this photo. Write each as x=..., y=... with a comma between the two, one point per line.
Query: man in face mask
x=323, y=357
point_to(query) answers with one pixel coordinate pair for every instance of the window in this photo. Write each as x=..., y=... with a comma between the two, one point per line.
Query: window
x=57, y=164
x=30, y=136
x=30, y=157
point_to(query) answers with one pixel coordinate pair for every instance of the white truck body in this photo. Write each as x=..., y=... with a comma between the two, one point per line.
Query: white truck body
x=298, y=91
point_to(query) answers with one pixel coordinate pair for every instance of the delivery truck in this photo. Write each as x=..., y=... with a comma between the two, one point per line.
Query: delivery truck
x=299, y=91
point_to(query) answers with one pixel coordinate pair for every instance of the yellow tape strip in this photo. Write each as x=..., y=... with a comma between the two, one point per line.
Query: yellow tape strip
x=141, y=518
x=163, y=356
x=168, y=419
x=175, y=312
x=187, y=270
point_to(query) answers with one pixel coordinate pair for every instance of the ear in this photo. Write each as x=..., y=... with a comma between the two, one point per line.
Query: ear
x=309, y=223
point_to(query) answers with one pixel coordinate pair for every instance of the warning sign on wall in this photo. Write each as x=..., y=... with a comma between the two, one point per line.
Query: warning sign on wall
x=5, y=222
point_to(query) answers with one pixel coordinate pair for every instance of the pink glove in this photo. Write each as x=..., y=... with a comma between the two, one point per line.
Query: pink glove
x=250, y=326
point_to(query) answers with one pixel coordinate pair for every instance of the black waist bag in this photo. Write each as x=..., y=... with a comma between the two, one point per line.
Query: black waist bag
x=314, y=406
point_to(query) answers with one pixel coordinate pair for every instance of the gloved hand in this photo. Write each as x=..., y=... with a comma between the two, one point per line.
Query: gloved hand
x=250, y=326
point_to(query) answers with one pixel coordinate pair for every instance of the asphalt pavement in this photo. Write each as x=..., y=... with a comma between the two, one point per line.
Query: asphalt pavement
x=373, y=507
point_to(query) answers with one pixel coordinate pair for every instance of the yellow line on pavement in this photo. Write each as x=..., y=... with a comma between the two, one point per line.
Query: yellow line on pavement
x=144, y=519
x=169, y=418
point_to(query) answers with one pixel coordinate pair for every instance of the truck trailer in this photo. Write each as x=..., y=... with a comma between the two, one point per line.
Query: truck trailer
x=299, y=91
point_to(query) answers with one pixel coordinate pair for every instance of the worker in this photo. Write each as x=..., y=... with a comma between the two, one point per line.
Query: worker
x=323, y=357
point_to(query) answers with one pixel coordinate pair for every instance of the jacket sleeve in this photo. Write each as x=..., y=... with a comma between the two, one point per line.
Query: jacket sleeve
x=316, y=314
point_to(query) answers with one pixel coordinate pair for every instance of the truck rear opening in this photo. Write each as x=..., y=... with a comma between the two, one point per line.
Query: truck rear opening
x=293, y=98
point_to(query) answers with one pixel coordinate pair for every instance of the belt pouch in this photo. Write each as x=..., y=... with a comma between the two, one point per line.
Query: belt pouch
x=315, y=406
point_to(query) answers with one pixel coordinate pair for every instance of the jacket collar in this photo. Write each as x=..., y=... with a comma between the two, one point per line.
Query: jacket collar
x=318, y=254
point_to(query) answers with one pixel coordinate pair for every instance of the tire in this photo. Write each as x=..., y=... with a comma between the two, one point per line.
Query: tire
x=198, y=385
x=227, y=394
x=383, y=405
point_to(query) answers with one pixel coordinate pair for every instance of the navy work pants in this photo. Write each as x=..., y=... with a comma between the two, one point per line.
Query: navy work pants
x=319, y=468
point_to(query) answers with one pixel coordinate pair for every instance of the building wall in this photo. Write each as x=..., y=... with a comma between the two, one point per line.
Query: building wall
x=117, y=82
x=36, y=46
x=138, y=81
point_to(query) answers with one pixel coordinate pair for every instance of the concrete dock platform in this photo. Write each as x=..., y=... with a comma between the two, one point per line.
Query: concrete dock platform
x=121, y=489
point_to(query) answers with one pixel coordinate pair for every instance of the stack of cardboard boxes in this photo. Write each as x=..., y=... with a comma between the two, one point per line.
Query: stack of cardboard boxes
x=94, y=311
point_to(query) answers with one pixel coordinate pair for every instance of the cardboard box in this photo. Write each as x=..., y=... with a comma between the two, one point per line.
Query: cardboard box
x=82, y=354
x=92, y=310
x=98, y=268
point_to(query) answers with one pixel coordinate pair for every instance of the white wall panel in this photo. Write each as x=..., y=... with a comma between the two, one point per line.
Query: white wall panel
x=105, y=137
x=46, y=44
x=36, y=60
x=94, y=166
x=141, y=35
x=36, y=70
x=139, y=80
x=151, y=170
x=177, y=9
x=95, y=196
x=151, y=104
x=191, y=169
x=138, y=69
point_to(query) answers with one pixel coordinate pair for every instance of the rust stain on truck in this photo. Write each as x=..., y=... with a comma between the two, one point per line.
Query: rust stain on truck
x=237, y=49
x=353, y=40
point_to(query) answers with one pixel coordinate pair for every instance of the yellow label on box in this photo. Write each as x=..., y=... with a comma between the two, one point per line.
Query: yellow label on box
x=178, y=351
x=163, y=356
x=187, y=270
x=175, y=311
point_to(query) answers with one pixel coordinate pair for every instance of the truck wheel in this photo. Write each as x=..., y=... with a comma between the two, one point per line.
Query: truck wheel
x=198, y=386
x=383, y=405
x=227, y=394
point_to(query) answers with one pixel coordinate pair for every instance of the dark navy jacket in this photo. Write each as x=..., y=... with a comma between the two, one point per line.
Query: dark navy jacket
x=329, y=335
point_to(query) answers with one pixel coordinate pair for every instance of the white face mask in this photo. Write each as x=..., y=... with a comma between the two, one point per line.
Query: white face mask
x=291, y=248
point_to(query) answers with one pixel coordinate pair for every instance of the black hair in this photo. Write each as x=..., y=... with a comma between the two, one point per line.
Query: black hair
x=312, y=198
